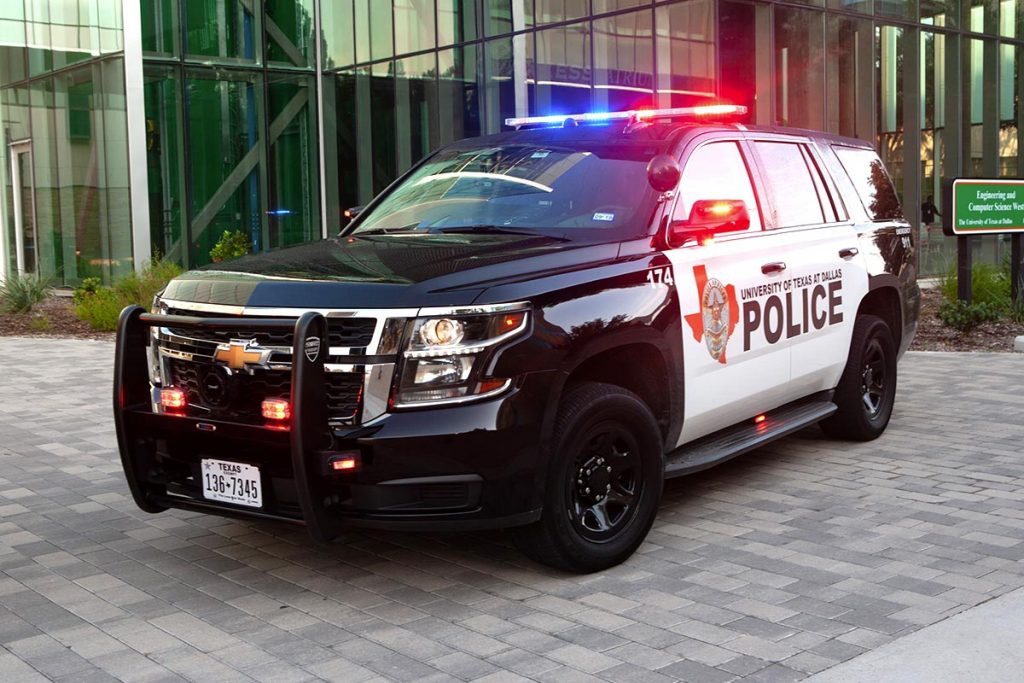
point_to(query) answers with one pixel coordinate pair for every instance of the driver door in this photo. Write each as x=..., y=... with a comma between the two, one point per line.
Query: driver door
x=731, y=373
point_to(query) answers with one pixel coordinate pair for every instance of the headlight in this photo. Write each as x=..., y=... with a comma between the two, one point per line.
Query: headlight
x=446, y=356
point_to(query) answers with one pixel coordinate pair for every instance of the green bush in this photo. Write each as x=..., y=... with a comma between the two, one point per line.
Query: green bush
x=90, y=285
x=19, y=293
x=231, y=245
x=965, y=317
x=990, y=285
x=100, y=307
x=40, y=323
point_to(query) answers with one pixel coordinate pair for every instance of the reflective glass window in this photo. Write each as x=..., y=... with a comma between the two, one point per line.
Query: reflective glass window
x=623, y=62
x=503, y=82
x=1011, y=18
x=12, y=42
x=549, y=11
x=414, y=26
x=160, y=27
x=902, y=9
x=686, y=52
x=866, y=6
x=613, y=5
x=292, y=165
x=165, y=162
x=416, y=112
x=224, y=30
x=289, y=26
x=789, y=180
x=850, y=70
x=716, y=171
x=456, y=21
x=800, y=67
x=223, y=111
x=339, y=36
x=459, y=100
x=941, y=13
x=561, y=70
x=871, y=181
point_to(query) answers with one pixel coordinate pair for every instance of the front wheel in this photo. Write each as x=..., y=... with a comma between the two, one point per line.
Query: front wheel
x=867, y=390
x=604, y=482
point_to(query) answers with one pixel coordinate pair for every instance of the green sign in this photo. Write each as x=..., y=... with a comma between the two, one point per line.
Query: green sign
x=983, y=207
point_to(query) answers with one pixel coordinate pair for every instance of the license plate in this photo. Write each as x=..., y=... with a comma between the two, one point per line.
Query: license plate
x=232, y=482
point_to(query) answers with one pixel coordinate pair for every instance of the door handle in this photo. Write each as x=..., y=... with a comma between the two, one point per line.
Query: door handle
x=770, y=268
x=849, y=252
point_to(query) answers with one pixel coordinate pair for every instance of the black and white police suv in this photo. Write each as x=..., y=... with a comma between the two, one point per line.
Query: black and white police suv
x=531, y=330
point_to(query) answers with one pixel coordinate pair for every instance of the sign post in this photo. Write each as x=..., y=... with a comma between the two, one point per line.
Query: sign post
x=977, y=206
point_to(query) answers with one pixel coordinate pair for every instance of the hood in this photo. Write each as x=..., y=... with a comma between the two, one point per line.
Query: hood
x=385, y=271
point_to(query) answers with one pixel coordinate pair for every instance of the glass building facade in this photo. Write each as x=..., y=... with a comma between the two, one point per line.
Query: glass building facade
x=272, y=116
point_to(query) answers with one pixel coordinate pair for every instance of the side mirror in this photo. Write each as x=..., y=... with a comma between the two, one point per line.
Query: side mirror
x=663, y=172
x=709, y=217
x=352, y=212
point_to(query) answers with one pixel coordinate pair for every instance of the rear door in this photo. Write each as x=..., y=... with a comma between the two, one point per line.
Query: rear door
x=825, y=276
x=732, y=372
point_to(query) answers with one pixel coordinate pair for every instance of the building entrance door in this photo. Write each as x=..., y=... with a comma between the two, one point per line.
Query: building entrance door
x=25, y=231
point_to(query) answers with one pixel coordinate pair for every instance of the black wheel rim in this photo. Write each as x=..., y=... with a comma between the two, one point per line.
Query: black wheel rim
x=874, y=379
x=605, y=482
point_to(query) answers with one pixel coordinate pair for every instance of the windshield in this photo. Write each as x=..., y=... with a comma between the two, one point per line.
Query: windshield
x=585, y=191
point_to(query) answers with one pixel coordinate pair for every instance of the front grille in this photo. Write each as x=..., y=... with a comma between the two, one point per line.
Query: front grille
x=343, y=332
x=238, y=397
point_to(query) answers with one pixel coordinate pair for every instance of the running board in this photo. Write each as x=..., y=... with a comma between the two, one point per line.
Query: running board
x=728, y=443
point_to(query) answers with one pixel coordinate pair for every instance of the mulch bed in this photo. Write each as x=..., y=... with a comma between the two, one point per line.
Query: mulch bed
x=54, y=317
x=932, y=335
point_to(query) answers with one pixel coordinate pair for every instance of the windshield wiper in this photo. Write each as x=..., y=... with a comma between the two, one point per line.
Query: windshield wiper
x=495, y=230
x=407, y=230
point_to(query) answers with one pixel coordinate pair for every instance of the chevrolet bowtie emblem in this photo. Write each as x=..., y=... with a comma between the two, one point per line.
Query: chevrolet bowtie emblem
x=242, y=354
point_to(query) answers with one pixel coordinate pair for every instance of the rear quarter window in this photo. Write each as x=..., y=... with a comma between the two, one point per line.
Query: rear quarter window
x=871, y=181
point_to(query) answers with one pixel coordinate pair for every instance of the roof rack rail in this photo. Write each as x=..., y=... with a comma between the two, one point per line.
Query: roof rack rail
x=704, y=111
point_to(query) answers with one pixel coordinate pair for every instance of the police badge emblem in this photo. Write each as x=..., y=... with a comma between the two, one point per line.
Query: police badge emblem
x=719, y=313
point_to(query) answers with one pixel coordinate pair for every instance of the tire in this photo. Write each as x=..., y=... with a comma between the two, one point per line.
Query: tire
x=604, y=482
x=867, y=389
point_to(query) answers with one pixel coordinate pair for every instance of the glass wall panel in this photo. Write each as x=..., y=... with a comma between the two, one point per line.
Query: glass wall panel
x=43, y=175
x=936, y=251
x=289, y=27
x=376, y=106
x=850, y=71
x=92, y=171
x=502, y=83
x=549, y=11
x=293, y=168
x=497, y=15
x=414, y=26
x=416, y=114
x=223, y=30
x=336, y=22
x=901, y=9
x=890, y=102
x=165, y=162
x=744, y=34
x=12, y=42
x=800, y=67
x=459, y=100
x=561, y=70
x=160, y=27
x=374, y=31
x=623, y=62
x=1011, y=18
x=613, y=5
x=456, y=21
x=941, y=13
x=685, y=52
x=37, y=33
x=865, y=6
x=224, y=153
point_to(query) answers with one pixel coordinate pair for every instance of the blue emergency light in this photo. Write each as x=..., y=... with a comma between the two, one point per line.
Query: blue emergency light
x=706, y=111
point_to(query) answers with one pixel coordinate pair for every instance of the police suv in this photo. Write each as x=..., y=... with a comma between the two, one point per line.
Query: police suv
x=531, y=330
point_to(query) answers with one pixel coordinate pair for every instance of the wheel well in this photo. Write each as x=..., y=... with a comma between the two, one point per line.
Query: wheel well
x=639, y=368
x=885, y=303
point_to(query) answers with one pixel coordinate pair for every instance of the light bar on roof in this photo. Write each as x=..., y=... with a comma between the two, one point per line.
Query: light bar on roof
x=701, y=111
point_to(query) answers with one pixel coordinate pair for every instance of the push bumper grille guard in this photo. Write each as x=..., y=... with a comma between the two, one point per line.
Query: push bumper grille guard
x=306, y=440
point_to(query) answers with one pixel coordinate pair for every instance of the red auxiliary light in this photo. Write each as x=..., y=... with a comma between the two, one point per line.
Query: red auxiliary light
x=760, y=419
x=276, y=409
x=719, y=110
x=344, y=464
x=173, y=398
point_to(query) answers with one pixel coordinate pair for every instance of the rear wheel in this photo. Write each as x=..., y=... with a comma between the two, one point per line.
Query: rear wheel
x=867, y=390
x=604, y=482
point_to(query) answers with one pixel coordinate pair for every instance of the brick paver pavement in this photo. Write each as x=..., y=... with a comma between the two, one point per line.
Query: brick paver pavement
x=775, y=566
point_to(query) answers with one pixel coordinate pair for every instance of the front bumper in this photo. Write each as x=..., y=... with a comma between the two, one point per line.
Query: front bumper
x=473, y=466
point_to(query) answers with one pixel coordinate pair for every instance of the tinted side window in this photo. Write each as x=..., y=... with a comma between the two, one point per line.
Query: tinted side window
x=791, y=185
x=716, y=171
x=871, y=182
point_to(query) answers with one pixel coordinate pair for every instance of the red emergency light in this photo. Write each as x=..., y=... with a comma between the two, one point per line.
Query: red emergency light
x=173, y=399
x=276, y=409
x=704, y=111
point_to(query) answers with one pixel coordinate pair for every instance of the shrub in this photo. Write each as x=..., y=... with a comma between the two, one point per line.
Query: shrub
x=19, y=293
x=965, y=317
x=40, y=323
x=231, y=245
x=100, y=306
x=101, y=309
x=989, y=285
x=90, y=285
